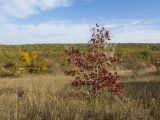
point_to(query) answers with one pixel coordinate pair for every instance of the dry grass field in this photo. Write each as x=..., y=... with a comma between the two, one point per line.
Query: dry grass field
x=50, y=97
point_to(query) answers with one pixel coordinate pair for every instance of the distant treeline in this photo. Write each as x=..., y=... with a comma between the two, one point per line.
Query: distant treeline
x=51, y=58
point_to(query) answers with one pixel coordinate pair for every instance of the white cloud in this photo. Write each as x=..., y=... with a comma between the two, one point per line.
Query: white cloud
x=50, y=32
x=68, y=32
x=138, y=36
x=24, y=8
x=138, y=31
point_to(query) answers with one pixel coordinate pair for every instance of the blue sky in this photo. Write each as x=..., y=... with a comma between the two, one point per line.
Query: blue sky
x=70, y=21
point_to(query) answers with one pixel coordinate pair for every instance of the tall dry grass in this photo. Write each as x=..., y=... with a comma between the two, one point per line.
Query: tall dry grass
x=49, y=97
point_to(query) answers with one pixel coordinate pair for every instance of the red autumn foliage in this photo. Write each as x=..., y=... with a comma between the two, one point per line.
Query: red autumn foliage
x=93, y=65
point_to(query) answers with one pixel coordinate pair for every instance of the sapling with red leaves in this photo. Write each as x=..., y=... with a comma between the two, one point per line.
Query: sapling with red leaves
x=93, y=66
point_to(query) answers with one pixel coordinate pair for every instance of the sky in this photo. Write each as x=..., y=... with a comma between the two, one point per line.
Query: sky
x=70, y=21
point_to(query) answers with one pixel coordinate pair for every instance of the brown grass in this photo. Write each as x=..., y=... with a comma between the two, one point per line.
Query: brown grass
x=49, y=97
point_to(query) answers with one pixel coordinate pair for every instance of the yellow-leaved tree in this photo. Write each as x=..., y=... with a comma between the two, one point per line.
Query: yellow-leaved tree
x=33, y=62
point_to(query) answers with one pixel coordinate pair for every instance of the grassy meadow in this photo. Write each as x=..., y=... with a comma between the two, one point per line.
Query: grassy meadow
x=48, y=95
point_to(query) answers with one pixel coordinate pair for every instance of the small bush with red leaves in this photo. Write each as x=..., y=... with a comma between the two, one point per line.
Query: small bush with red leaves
x=92, y=68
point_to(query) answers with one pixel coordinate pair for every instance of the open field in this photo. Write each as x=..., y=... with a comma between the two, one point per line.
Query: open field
x=79, y=60
x=49, y=97
x=33, y=85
